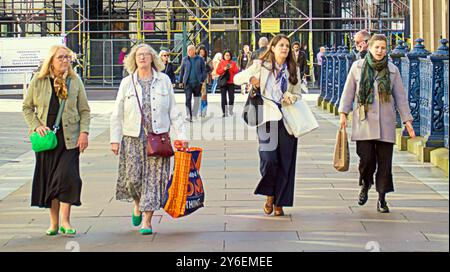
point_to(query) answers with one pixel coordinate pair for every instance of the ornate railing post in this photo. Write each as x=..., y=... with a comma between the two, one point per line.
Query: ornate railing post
x=334, y=97
x=323, y=78
x=432, y=99
x=446, y=103
x=411, y=80
x=343, y=72
x=330, y=77
x=396, y=55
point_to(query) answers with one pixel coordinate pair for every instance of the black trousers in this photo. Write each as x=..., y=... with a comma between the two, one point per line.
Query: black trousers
x=196, y=90
x=278, y=156
x=376, y=156
x=228, y=89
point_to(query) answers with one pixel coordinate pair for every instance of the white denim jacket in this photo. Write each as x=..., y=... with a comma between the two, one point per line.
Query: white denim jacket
x=126, y=116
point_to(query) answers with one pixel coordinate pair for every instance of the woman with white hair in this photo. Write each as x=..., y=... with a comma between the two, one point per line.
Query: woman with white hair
x=168, y=67
x=216, y=60
x=145, y=105
x=57, y=93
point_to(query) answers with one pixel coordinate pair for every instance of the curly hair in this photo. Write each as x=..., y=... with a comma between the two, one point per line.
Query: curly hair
x=130, y=59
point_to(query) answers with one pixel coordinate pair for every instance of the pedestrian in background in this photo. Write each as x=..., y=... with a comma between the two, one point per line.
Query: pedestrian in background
x=300, y=58
x=262, y=47
x=215, y=62
x=203, y=53
x=57, y=182
x=168, y=66
x=277, y=77
x=227, y=65
x=375, y=86
x=145, y=103
x=122, y=55
x=192, y=76
x=319, y=64
x=361, y=40
x=244, y=57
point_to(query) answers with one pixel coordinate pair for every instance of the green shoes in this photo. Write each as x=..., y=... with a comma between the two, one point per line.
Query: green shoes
x=51, y=232
x=67, y=231
x=146, y=231
x=136, y=219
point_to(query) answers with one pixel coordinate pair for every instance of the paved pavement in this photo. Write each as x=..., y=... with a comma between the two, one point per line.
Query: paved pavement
x=325, y=217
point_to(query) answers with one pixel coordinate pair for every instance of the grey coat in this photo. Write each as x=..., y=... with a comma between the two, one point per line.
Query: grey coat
x=380, y=122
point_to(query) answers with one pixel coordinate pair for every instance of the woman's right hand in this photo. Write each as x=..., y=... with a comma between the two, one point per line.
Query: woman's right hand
x=254, y=81
x=42, y=130
x=343, y=120
x=115, y=148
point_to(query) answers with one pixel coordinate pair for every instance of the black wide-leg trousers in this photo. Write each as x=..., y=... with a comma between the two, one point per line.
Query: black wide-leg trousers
x=278, y=156
x=376, y=156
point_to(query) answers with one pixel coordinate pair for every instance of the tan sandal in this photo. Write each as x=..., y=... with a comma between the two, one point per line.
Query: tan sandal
x=268, y=206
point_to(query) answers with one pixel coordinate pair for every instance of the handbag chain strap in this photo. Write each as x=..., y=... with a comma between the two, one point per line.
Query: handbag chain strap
x=61, y=109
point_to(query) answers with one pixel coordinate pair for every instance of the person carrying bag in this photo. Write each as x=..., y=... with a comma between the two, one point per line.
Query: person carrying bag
x=273, y=107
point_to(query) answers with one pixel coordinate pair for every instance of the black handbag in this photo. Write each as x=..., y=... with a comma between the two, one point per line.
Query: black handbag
x=223, y=79
x=253, y=109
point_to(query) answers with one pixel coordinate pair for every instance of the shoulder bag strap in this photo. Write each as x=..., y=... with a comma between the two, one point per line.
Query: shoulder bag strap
x=61, y=109
x=139, y=104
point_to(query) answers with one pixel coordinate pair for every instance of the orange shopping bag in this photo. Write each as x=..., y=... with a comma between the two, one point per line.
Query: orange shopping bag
x=185, y=193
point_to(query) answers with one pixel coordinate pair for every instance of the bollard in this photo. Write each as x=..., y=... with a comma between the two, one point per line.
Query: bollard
x=411, y=82
x=329, y=80
x=323, y=78
x=432, y=101
x=335, y=92
x=446, y=103
x=396, y=55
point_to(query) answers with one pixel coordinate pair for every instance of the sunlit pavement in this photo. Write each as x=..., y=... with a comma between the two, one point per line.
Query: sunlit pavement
x=325, y=216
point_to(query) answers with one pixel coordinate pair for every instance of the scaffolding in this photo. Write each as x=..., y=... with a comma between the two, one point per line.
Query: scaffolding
x=97, y=29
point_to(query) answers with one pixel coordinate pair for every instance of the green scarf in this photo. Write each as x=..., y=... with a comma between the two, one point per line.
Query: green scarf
x=366, y=93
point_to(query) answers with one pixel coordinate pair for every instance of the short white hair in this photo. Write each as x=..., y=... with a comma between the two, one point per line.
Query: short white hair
x=218, y=56
x=263, y=41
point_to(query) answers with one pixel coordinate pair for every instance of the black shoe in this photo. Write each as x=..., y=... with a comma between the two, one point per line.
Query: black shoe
x=363, y=195
x=382, y=207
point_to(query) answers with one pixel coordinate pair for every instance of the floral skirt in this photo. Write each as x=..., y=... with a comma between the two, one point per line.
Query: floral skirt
x=141, y=177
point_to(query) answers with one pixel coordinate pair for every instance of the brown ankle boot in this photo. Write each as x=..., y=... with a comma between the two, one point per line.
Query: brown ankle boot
x=279, y=211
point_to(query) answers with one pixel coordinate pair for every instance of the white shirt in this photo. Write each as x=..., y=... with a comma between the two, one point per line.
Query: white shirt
x=273, y=89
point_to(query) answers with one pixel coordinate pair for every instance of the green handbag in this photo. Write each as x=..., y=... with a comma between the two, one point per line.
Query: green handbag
x=49, y=141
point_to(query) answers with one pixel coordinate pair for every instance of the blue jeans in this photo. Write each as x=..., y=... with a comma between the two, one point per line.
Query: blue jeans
x=214, y=85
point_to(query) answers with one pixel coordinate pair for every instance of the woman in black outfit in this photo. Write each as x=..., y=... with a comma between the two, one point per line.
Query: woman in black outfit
x=168, y=69
x=57, y=183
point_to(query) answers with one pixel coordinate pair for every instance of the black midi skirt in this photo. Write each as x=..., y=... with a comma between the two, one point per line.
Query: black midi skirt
x=57, y=171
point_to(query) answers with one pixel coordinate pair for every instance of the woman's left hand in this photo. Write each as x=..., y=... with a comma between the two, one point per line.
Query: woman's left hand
x=289, y=99
x=410, y=129
x=82, y=141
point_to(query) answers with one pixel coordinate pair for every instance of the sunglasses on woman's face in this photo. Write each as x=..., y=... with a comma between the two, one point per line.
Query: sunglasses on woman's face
x=165, y=55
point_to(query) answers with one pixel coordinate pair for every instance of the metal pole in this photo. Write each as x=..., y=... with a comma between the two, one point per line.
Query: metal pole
x=253, y=26
x=63, y=18
x=311, y=48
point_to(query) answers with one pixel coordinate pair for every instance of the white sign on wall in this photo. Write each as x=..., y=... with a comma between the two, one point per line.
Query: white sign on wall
x=19, y=58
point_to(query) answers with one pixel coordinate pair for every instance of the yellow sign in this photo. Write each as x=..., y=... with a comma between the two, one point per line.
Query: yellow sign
x=270, y=25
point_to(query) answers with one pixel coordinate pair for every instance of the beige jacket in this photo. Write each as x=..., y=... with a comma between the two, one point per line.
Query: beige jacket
x=380, y=122
x=76, y=115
